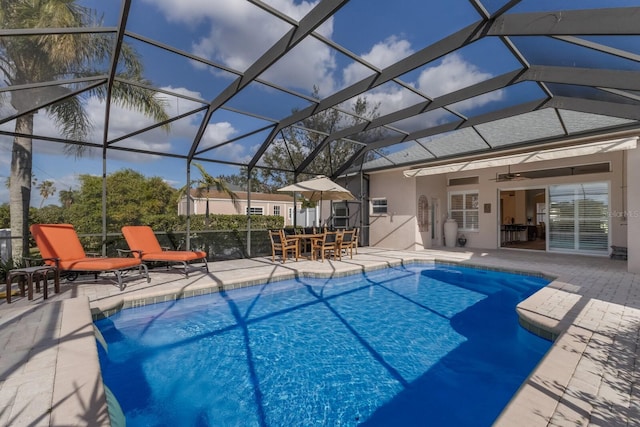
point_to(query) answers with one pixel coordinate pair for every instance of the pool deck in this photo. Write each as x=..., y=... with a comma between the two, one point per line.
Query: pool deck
x=50, y=375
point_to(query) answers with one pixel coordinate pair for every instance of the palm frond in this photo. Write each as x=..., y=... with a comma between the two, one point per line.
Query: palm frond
x=145, y=100
x=207, y=182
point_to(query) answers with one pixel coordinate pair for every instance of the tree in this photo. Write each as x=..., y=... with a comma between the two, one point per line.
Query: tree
x=50, y=214
x=66, y=197
x=47, y=188
x=4, y=215
x=204, y=186
x=132, y=199
x=297, y=142
x=25, y=60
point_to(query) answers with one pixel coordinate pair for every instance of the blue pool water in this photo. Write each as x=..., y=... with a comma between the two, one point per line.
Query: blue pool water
x=410, y=346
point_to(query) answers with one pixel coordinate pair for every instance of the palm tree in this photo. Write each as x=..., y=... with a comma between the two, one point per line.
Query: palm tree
x=66, y=197
x=204, y=186
x=44, y=58
x=46, y=189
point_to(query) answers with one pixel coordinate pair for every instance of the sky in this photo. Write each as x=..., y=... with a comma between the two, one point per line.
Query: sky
x=235, y=33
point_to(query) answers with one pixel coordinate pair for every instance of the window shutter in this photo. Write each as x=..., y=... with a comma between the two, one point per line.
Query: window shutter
x=579, y=217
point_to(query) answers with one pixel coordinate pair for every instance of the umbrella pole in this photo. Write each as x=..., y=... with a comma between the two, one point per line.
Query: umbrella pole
x=321, y=226
x=295, y=211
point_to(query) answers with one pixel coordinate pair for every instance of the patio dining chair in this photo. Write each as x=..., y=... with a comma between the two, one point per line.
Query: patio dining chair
x=143, y=243
x=348, y=242
x=280, y=243
x=328, y=243
x=356, y=236
x=60, y=246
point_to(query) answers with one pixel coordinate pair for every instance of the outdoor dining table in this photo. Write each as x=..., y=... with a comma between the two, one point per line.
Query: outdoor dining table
x=301, y=238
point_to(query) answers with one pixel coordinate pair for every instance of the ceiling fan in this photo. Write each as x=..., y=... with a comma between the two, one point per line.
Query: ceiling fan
x=509, y=176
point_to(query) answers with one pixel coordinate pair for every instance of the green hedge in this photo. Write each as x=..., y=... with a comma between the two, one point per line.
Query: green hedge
x=220, y=222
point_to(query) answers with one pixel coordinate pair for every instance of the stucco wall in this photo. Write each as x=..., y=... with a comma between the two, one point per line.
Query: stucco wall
x=633, y=210
x=399, y=228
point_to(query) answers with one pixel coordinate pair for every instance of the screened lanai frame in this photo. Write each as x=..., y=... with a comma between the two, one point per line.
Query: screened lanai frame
x=566, y=76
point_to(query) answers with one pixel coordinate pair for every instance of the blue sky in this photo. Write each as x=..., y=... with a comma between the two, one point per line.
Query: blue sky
x=235, y=33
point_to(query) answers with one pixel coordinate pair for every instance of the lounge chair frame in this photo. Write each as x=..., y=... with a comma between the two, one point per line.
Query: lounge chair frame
x=143, y=244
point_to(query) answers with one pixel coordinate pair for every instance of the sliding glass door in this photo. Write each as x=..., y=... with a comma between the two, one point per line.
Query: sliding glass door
x=579, y=217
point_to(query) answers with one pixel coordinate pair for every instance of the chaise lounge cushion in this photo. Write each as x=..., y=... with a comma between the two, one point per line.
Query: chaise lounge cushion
x=142, y=238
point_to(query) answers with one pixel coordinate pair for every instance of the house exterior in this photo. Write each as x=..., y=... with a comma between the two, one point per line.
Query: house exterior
x=569, y=199
x=220, y=203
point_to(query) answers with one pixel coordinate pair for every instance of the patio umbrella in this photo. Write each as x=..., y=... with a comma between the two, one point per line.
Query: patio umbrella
x=318, y=189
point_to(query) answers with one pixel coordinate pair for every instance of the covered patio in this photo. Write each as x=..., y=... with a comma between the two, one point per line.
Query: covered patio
x=494, y=79
x=51, y=376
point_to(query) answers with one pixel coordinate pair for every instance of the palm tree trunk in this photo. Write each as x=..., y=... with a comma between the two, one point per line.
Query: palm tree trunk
x=206, y=213
x=20, y=187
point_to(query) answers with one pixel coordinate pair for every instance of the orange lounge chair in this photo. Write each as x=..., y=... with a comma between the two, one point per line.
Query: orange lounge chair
x=60, y=246
x=144, y=244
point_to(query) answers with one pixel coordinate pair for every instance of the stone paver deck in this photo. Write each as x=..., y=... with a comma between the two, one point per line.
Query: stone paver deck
x=50, y=375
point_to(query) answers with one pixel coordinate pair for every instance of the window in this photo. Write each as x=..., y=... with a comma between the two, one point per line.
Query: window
x=255, y=211
x=276, y=210
x=463, y=207
x=464, y=181
x=379, y=206
x=290, y=214
x=340, y=215
x=579, y=217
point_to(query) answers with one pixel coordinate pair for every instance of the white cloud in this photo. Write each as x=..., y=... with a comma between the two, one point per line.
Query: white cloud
x=451, y=74
x=216, y=133
x=239, y=33
x=381, y=55
x=309, y=64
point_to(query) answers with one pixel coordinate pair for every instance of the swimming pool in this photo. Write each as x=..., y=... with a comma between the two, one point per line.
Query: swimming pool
x=418, y=345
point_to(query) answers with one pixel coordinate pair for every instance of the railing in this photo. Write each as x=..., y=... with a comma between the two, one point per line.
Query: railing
x=219, y=245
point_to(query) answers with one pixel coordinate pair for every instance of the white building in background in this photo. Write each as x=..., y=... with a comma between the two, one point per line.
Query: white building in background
x=220, y=203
